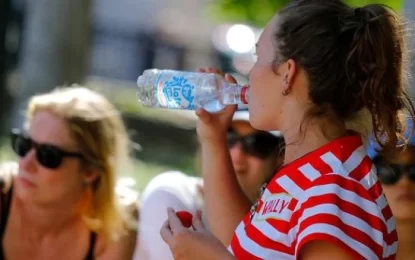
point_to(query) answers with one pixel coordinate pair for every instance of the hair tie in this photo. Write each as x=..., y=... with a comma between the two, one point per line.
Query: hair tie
x=360, y=16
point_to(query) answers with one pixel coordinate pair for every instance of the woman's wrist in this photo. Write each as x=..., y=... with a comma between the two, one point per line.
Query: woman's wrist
x=215, y=145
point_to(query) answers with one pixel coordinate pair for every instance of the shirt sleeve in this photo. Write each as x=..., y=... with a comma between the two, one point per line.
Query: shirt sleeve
x=341, y=211
x=153, y=213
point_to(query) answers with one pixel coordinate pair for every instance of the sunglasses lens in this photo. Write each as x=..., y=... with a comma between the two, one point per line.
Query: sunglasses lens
x=388, y=174
x=260, y=145
x=49, y=156
x=232, y=138
x=411, y=172
x=21, y=145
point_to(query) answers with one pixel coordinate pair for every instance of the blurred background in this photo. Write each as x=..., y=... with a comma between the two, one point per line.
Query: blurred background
x=106, y=45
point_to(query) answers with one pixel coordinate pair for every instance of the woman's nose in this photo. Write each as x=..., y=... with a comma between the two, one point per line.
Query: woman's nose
x=237, y=152
x=28, y=162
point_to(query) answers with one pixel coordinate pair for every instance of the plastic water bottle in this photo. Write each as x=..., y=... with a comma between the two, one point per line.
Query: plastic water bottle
x=189, y=90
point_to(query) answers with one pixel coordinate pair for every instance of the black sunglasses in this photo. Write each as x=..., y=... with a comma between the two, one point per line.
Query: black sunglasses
x=392, y=173
x=48, y=155
x=260, y=144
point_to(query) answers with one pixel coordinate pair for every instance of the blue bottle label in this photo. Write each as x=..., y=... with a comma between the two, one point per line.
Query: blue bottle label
x=176, y=91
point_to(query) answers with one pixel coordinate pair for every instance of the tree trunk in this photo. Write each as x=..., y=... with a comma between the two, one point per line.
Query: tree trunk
x=409, y=11
x=55, y=48
x=4, y=94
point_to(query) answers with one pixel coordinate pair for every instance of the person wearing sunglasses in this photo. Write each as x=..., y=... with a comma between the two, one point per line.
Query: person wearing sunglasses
x=397, y=175
x=61, y=201
x=254, y=154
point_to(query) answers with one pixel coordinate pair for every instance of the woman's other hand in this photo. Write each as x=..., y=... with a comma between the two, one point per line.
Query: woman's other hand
x=187, y=243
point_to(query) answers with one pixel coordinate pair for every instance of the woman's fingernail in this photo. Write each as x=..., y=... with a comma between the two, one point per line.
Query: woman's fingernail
x=199, y=214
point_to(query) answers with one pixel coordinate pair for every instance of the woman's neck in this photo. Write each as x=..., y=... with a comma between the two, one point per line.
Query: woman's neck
x=41, y=220
x=406, y=240
x=316, y=133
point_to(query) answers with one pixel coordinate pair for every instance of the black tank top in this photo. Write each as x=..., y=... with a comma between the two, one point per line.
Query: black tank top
x=5, y=201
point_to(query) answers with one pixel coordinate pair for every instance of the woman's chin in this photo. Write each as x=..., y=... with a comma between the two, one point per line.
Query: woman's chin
x=24, y=193
x=259, y=123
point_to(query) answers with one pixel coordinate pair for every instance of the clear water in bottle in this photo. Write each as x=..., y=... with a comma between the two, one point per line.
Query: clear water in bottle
x=189, y=90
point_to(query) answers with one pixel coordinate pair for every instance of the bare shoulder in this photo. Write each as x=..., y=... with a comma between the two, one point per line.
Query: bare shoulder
x=120, y=249
x=7, y=171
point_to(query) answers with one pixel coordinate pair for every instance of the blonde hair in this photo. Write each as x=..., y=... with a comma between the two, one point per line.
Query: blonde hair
x=98, y=129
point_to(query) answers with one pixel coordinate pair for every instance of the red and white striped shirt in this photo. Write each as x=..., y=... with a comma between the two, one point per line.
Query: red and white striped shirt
x=330, y=194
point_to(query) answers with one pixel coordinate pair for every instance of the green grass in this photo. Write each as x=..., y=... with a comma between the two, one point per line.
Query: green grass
x=6, y=153
x=142, y=172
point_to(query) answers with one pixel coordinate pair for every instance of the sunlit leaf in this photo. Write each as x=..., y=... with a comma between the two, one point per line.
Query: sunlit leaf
x=259, y=12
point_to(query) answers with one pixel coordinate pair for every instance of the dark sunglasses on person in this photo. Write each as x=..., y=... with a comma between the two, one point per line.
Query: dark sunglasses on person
x=392, y=173
x=260, y=144
x=48, y=155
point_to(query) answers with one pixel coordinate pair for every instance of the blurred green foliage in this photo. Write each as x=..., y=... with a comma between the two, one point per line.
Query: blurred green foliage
x=259, y=12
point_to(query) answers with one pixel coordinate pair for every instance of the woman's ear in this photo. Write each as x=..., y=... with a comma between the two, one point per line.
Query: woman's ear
x=90, y=176
x=288, y=71
x=291, y=71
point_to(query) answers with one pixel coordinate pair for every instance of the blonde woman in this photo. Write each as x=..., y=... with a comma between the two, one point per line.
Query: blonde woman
x=61, y=204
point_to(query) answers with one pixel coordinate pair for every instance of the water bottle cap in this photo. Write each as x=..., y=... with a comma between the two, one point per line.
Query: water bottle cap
x=245, y=94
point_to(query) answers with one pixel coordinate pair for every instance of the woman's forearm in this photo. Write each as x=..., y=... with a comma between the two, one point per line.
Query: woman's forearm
x=225, y=202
